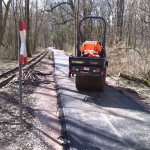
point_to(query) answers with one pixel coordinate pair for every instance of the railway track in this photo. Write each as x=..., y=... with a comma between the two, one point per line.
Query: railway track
x=6, y=77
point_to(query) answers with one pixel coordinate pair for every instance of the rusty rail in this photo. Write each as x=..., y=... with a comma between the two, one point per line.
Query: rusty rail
x=9, y=75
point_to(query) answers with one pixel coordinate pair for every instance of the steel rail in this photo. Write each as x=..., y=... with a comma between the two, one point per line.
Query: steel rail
x=9, y=75
x=16, y=68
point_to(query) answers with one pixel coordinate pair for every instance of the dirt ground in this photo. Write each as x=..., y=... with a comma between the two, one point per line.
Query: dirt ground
x=136, y=91
x=41, y=128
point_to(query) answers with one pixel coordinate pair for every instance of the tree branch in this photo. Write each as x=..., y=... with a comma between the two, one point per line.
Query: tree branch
x=67, y=12
x=110, y=7
x=64, y=22
x=51, y=10
x=129, y=48
x=4, y=3
x=71, y=5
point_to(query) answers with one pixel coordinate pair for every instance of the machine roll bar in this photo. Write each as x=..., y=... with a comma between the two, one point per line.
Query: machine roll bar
x=103, y=54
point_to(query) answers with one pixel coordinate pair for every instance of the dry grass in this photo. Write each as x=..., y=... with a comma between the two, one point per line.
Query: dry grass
x=126, y=60
x=69, y=50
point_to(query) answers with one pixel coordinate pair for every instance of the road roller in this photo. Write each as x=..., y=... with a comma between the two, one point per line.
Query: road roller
x=89, y=65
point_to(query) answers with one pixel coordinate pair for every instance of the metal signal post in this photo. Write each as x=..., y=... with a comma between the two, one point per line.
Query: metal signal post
x=22, y=61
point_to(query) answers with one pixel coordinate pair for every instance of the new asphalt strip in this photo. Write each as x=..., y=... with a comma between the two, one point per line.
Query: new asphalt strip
x=100, y=121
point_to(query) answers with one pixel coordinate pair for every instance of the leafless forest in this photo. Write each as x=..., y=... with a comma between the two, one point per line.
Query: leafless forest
x=54, y=23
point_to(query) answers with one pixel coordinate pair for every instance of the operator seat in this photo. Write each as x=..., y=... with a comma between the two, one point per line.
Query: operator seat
x=91, y=49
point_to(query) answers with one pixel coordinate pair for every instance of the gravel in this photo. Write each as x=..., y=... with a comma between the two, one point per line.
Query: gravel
x=41, y=127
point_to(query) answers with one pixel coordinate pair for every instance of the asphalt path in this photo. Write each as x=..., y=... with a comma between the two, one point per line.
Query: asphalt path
x=100, y=121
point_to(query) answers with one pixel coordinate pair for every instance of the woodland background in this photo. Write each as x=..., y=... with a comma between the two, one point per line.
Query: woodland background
x=54, y=23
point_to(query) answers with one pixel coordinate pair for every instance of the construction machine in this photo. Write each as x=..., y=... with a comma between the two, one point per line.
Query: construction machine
x=90, y=64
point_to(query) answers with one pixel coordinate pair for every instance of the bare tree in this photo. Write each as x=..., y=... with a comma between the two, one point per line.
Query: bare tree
x=4, y=21
x=27, y=17
x=120, y=12
x=1, y=14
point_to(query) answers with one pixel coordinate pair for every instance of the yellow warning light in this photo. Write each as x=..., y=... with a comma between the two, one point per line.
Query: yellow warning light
x=77, y=62
x=93, y=63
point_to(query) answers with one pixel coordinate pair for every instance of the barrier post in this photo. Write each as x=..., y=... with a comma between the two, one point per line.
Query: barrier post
x=22, y=61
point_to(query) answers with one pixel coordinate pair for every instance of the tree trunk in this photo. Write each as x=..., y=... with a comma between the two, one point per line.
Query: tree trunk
x=120, y=12
x=15, y=10
x=36, y=28
x=136, y=79
x=1, y=14
x=29, y=54
x=2, y=30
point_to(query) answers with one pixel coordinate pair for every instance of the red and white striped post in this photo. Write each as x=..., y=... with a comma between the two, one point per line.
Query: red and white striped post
x=22, y=60
x=23, y=52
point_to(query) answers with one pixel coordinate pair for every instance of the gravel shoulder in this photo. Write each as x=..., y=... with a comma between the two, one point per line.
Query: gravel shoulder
x=41, y=128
